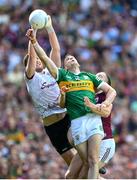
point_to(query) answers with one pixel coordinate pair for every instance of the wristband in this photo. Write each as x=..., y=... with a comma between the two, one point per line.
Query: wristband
x=34, y=43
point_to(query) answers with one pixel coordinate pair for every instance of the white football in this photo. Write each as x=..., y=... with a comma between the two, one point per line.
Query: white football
x=38, y=19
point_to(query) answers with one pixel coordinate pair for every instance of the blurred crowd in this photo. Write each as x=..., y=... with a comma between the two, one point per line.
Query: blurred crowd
x=102, y=34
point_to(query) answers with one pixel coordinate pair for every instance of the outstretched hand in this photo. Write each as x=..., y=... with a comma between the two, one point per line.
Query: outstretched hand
x=87, y=102
x=49, y=22
x=48, y=25
x=91, y=105
x=31, y=34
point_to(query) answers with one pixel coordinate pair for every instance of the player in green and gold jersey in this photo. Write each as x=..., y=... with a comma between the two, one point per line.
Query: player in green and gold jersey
x=86, y=127
x=79, y=85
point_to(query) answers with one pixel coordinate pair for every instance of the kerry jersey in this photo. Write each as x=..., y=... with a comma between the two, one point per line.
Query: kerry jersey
x=80, y=85
x=45, y=93
x=100, y=97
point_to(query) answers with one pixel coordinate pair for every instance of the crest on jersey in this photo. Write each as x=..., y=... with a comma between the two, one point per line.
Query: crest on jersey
x=98, y=79
x=77, y=78
x=68, y=77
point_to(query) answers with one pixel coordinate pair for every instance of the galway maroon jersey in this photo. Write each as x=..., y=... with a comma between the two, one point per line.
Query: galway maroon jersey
x=100, y=97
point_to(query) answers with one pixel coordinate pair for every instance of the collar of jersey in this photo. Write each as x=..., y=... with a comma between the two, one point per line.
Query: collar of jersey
x=74, y=73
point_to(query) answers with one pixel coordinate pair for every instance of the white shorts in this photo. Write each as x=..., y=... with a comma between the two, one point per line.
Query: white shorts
x=84, y=127
x=107, y=150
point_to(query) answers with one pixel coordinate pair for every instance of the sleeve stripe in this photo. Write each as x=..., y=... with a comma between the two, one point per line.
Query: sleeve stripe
x=28, y=78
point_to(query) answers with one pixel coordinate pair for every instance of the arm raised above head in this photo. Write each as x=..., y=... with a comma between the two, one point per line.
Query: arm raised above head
x=46, y=60
x=30, y=65
x=55, y=54
x=41, y=54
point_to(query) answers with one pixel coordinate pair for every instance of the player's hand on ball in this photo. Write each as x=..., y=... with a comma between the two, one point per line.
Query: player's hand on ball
x=49, y=22
x=48, y=25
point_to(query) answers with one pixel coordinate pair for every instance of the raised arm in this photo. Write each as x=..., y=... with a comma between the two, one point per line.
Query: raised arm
x=31, y=61
x=41, y=54
x=55, y=47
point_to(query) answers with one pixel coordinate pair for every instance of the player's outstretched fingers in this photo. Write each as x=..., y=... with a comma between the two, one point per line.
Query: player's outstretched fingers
x=29, y=32
x=49, y=22
x=87, y=101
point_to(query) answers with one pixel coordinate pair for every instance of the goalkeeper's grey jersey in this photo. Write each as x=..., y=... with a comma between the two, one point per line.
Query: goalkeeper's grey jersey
x=45, y=93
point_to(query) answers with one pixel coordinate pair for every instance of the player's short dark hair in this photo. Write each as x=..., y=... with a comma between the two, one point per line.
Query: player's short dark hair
x=25, y=60
x=109, y=79
x=67, y=55
x=65, y=58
